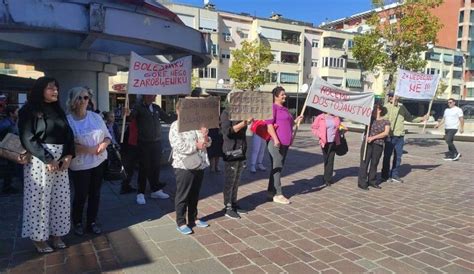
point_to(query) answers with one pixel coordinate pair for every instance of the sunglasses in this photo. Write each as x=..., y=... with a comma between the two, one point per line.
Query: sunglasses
x=85, y=98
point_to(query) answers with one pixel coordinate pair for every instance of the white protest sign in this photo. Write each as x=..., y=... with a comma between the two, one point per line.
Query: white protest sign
x=148, y=77
x=250, y=104
x=352, y=105
x=198, y=112
x=416, y=85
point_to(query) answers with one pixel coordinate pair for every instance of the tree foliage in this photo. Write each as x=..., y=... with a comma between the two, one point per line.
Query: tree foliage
x=249, y=65
x=398, y=45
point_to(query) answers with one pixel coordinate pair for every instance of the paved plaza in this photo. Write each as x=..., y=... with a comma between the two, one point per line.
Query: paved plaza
x=425, y=225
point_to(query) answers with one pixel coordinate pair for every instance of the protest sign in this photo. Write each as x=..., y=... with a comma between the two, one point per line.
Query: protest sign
x=148, y=77
x=352, y=105
x=250, y=104
x=198, y=112
x=416, y=85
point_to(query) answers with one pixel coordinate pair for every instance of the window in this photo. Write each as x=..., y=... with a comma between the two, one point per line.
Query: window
x=457, y=74
x=214, y=49
x=333, y=62
x=333, y=42
x=315, y=43
x=350, y=44
x=289, y=57
x=392, y=18
x=432, y=71
x=352, y=64
x=290, y=36
x=208, y=73
x=314, y=63
x=274, y=77
x=461, y=16
x=456, y=90
x=208, y=25
x=225, y=55
x=471, y=17
x=433, y=56
x=460, y=32
x=458, y=60
x=459, y=45
x=288, y=78
x=470, y=92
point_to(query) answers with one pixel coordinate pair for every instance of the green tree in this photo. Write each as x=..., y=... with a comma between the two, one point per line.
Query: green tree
x=249, y=65
x=400, y=45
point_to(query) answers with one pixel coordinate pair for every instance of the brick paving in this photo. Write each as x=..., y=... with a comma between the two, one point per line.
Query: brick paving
x=425, y=225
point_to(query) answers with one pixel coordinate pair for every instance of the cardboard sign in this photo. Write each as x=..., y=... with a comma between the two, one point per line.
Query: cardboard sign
x=148, y=77
x=198, y=112
x=352, y=105
x=416, y=85
x=250, y=104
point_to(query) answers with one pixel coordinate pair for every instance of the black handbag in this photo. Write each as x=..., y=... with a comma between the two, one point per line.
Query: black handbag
x=234, y=154
x=114, y=170
x=342, y=148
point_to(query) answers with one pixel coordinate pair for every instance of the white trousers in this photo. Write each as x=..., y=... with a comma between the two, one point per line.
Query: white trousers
x=46, y=199
x=258, y=150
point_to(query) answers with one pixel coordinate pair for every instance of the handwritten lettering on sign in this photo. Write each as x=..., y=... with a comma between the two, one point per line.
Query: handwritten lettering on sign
x=247, y=104
x=198, y=112
x=355, y=106
x=416, y=85
x=148, y=77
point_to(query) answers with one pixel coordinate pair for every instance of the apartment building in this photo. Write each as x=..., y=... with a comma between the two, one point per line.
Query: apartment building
x=450, y=57
x=301, y=51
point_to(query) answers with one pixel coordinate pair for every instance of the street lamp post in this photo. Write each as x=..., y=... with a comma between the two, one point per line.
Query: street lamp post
x=297, y=92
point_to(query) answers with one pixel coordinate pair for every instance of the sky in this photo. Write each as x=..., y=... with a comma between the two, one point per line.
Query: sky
x=313, y=11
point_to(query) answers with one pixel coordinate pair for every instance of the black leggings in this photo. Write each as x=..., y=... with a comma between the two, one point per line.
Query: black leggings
x=87, y=185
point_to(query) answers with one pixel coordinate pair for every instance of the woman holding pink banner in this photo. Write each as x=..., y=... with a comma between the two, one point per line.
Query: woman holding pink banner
x=326, y=127
x=281, y=139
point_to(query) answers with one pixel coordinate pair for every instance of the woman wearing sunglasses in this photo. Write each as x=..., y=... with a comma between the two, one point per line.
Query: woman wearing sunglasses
x=91, y=138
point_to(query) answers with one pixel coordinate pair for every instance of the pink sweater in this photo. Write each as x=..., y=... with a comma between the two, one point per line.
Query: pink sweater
x=319, y=129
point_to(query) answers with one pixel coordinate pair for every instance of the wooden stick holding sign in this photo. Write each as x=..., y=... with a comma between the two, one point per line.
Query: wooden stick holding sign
x=428, y=116
x=304, y=89
x=124, y=115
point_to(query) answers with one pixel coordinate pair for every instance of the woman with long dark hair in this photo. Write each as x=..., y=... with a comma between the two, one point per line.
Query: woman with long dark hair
x=45, y=133
x=281, y=139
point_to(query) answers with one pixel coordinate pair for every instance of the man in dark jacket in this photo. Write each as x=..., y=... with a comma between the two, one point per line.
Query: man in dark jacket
x=148, y=116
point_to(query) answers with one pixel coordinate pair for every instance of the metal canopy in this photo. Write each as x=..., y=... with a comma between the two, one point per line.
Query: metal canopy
x=36, y=29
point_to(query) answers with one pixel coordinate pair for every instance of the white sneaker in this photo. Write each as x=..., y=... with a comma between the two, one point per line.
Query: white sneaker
x=261, y=167
x=457, y=157
x=252, y=169
x=141, y=199
x=159, y=194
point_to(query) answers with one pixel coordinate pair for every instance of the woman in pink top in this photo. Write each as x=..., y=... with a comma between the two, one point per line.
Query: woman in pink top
x=281, y=139
x=326, y=128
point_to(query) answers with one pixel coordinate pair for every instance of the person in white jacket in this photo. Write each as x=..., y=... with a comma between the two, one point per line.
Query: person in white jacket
x=192, y=143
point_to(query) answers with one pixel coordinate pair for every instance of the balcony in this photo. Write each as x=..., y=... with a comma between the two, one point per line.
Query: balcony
x=333, y=43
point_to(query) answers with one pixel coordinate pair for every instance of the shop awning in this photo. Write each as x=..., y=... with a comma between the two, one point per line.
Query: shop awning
x=354, y=83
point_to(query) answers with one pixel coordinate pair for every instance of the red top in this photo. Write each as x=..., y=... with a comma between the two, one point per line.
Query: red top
x=133, y=133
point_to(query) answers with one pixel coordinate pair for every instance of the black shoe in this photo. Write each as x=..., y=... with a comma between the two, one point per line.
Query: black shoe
x=94, y=228
x=125, y=189
x=328, y=183
x=79, y=229
x=397, y=180
x=376, y=186
x=239, y=210
x=230, y=213
x=363, y=188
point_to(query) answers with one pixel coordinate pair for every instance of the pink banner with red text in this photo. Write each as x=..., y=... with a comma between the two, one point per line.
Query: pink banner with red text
x=416, y=85
x=148, y=77
x=352, y=105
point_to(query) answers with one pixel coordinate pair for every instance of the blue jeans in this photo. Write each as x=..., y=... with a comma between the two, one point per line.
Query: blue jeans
x=393, y=146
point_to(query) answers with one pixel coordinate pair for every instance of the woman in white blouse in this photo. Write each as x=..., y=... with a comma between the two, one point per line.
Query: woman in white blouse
x=91, y=138
x=188, y=145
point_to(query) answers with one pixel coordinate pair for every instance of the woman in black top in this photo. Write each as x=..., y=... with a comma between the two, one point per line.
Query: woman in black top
x=234, y=137
x=45, y=133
